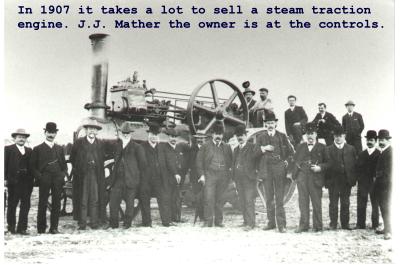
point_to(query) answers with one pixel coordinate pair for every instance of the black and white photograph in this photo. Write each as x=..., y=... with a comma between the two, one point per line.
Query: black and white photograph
x=199, y=132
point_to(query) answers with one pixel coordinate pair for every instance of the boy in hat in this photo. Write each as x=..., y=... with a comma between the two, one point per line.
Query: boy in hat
x=383, y=181
x=49, y=169
x=325, y=122
x=311, y=162
x=130, y=163
x=341, y=177
x=19, y=181
x=244, y=174
x=366, y=169
x=353, y=126
x=295, y=119
x=258, y=109
x=87, y=157
x=152, y=181
x=214, y=161
x=272, y=169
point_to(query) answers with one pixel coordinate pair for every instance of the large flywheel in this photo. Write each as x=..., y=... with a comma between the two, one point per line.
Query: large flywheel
x=216, y=100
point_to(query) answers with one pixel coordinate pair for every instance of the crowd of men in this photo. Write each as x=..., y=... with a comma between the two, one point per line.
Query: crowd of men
x=148, y=169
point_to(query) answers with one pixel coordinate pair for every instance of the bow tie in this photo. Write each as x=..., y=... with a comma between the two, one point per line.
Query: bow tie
x=310, y=144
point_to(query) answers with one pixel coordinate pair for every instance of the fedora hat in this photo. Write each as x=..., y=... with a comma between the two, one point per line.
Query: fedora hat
x=263, y=89
x=310, y=127
x=154, y=128
x=51, y=127
x=350, y=102
x=90, y=122
x=269, y=116
x=240, y=130
x=126, y=128
x=384, y=134
x=171, y=132
x=371, y=134
x=20, y=132
x=338, y=130
x=218, y=128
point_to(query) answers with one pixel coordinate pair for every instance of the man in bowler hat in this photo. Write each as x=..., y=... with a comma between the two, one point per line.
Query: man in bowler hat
x=311, y=162
x=272, y=169
x=214, y=162
x=353, y=126
x=130, y=162
x=50, y=170
x=340, y=178
x=366, y=169
x=383, y=181
x=19, y=181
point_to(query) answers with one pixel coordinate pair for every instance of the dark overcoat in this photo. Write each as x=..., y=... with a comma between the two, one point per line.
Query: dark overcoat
x=335, y=164
x=12, y=158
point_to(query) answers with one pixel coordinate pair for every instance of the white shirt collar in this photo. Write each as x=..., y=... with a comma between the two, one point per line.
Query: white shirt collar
x=350, y=113
x=198, y=145
x=91, y=141
x=125, y=142
x=217, y=144
x=323, y=115
x=339, y=146
x=272, y=133
x=152, y=144
x=21, y=149
x=371, y=150
x=50, y=144
x=242, y=145
x=292, y=108
x=172, y=145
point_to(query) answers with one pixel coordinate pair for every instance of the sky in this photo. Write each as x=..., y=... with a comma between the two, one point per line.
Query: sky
x=48, y=72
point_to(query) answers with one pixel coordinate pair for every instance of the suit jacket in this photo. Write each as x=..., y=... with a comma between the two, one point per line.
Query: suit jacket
x=251, y=153
x=205, y=155
x=41, y=156
x=366, y=167
x=12, y=157
x=134, y=163
x=318, y=155
x=297, y=115
x=171, y=162
x=335, y=164
x=354, y=125
x=153, y=169
x=249, y=106
x=384, y=169
x=325, y=129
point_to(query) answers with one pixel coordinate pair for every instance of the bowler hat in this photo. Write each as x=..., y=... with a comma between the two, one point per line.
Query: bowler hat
x=126, y=128
x=350, y=102
x=171, y=132
x=20, y=132
x=240, y=130
x=338, y=130
x=310, y=127
x=263, y=89
x=218, y=128
x=269, y=116
x=51, y=127
x=92, y=123
x=371, y=134
x=154, y=128
x=384, y=134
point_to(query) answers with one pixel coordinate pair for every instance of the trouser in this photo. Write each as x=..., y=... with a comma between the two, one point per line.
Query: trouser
x=197, y=189
x=297, y=134
x=247, y=191
x=341, y=192
x=384, y=200
x=149, y=187
x=176, y=199
x=362, y=199
x=89, y=204
x=50, y=182
x=274, y=186
x=19, y=193
x=309, y=190
x=355, y=140
x=117, y=194
x=215, y=185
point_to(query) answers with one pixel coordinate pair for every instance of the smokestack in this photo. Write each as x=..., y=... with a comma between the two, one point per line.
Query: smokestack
x=98, y=106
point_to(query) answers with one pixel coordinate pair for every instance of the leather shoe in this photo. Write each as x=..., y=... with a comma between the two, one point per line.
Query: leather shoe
x=82, y=228
x=219, y=225
x=387, y=236
x=282, y=230
x=23, y=232
x=269, y=227
x=301, y=230
x=41, y=231
x=379, y=232
x=54, y=231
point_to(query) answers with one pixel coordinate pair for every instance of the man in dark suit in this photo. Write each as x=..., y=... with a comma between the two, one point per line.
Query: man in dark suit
x=245, y=157
x=130, y=162
x=152, y=182
x=383, y=181
x=311, y=163
x=295, y=119
x=49, y=169
x=272, y=169
x=214, y=162
x=19, y=181
x=353, y=126
x=341, y=177
x=89, y=188
x=249, y=94
x=366, y=170
x=325, y=123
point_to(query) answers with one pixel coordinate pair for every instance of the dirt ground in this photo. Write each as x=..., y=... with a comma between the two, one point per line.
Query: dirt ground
x=192, y=244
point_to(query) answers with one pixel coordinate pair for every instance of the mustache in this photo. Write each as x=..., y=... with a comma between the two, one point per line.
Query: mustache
x=382, y=145
x=218, y=138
